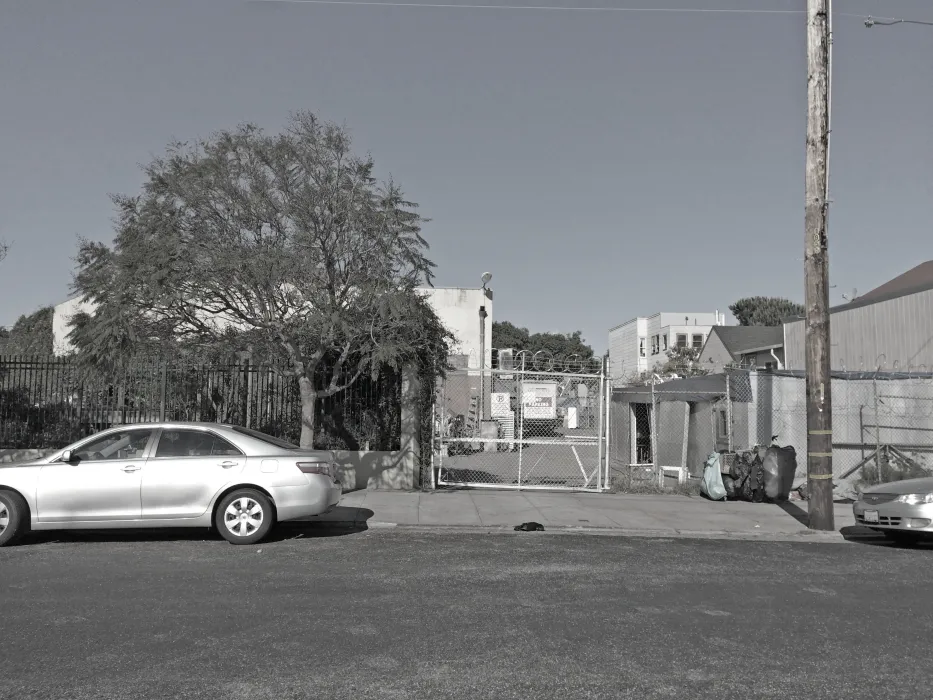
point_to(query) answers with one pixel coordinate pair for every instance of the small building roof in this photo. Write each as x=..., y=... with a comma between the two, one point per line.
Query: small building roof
x=709, y=387
x=743, y=339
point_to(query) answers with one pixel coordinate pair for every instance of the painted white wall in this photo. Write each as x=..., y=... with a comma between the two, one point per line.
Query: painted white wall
x=624, y=340
x=458, y=310
x=623, y=348
x=692, y=319
x=619, y=342
x=689, y=331
x=61, y=323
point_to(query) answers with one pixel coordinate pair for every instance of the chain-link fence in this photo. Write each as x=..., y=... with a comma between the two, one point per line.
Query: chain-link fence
x=882, y=425
x=507, y=428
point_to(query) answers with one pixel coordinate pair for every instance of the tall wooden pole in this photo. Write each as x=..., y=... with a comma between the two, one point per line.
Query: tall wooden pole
x=816, y=272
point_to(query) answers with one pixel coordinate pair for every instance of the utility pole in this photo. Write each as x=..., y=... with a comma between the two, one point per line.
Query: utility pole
x=816, y=271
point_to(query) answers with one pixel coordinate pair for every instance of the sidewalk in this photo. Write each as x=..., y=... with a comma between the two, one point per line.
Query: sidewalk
x=624, y=514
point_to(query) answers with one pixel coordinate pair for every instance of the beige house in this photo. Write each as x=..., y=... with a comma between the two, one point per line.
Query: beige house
x=749, y=347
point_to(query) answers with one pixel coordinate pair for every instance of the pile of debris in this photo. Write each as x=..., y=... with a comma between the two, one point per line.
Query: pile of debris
x=762, y=475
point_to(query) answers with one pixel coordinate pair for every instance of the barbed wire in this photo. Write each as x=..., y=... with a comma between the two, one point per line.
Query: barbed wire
x=545, y=361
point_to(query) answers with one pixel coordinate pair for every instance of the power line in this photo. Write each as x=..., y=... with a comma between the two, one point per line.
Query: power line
x=564, y=8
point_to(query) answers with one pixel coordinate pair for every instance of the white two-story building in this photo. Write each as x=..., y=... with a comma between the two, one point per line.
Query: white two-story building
x=641, y=344
x=466, y=313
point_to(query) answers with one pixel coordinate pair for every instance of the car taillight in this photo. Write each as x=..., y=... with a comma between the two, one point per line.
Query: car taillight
x=316, y=468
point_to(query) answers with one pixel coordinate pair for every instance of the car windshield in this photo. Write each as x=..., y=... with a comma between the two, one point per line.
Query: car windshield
x=256, y=435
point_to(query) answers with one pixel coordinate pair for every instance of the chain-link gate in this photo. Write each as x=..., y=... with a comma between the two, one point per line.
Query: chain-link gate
x=537, y=428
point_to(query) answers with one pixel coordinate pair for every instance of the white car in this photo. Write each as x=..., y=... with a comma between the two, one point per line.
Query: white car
x=237, y=480
x=902, y=510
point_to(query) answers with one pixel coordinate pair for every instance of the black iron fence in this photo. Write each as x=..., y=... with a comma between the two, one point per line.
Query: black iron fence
x=48, y=403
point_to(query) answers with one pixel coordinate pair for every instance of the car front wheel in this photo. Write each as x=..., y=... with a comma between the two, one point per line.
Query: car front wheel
x=244, y=516
x=14, y=517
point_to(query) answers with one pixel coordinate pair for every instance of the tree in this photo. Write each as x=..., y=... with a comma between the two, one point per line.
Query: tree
x=684, y=362
x=282, y=244
x=4, y=249
x=765, y=311
x=30, y=335
x=507, y=335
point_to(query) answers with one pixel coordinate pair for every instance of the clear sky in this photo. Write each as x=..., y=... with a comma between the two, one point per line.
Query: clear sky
x=602, y=165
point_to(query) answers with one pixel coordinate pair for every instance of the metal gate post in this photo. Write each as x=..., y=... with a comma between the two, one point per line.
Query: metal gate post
x=729, y=414
x=878, y=456
x=653, y=438
x=521, y=419
x=440, y=430
x=162, y=388
x=434, y=432
x=607, y=482
x=599, y=434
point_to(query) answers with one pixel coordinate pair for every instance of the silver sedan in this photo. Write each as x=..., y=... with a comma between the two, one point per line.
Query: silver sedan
x=236, y=480
x=902, y=510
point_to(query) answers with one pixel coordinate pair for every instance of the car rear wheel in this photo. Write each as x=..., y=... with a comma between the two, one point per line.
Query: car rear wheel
x=14, y=517
x=901, y=537
x=244, y=516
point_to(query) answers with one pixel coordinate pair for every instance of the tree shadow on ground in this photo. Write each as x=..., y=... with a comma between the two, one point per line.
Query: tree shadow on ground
x=341, y=521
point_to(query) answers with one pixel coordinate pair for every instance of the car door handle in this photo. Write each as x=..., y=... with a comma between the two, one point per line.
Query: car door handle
x=130, y=468
x=228, y=464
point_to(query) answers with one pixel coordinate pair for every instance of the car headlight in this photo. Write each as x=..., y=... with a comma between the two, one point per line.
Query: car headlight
x=915, y=499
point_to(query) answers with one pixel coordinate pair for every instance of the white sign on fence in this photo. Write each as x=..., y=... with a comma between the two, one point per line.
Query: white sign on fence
x=539, y=400
x=501, y=405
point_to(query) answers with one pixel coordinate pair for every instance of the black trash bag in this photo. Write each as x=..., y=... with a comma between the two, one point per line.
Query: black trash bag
x=729, y=483
x=737, y=470
x=779, y=465
x=757, y=477
x=752, y=488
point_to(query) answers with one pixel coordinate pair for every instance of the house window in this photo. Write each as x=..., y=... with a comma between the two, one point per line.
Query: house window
x=681, y=341
x=697, y=341
x=664, y=341
x=769, y=366
x=641, y=347
x=655, y=344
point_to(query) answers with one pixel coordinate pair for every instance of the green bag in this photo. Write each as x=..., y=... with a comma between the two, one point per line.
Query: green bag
x=712, y=486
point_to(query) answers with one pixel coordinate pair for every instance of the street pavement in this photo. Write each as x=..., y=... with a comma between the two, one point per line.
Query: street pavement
x=417, y=613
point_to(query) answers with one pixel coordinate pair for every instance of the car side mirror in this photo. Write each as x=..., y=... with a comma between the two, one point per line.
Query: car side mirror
x=67, y=457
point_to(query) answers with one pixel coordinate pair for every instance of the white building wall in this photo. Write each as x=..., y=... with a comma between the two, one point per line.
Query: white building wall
x=625, y=358
x=457, y=309
x=642, y=357
x=61, y=323
x=623, y=343
x=688, y=331
x=692, y=319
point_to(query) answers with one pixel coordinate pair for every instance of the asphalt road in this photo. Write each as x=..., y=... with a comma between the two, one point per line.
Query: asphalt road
x=411, y=614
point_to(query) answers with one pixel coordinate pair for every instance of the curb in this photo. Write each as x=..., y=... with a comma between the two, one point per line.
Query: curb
x=799, y=535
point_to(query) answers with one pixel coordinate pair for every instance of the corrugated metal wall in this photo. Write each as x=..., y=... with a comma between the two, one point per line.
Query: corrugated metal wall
x=899, y=330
